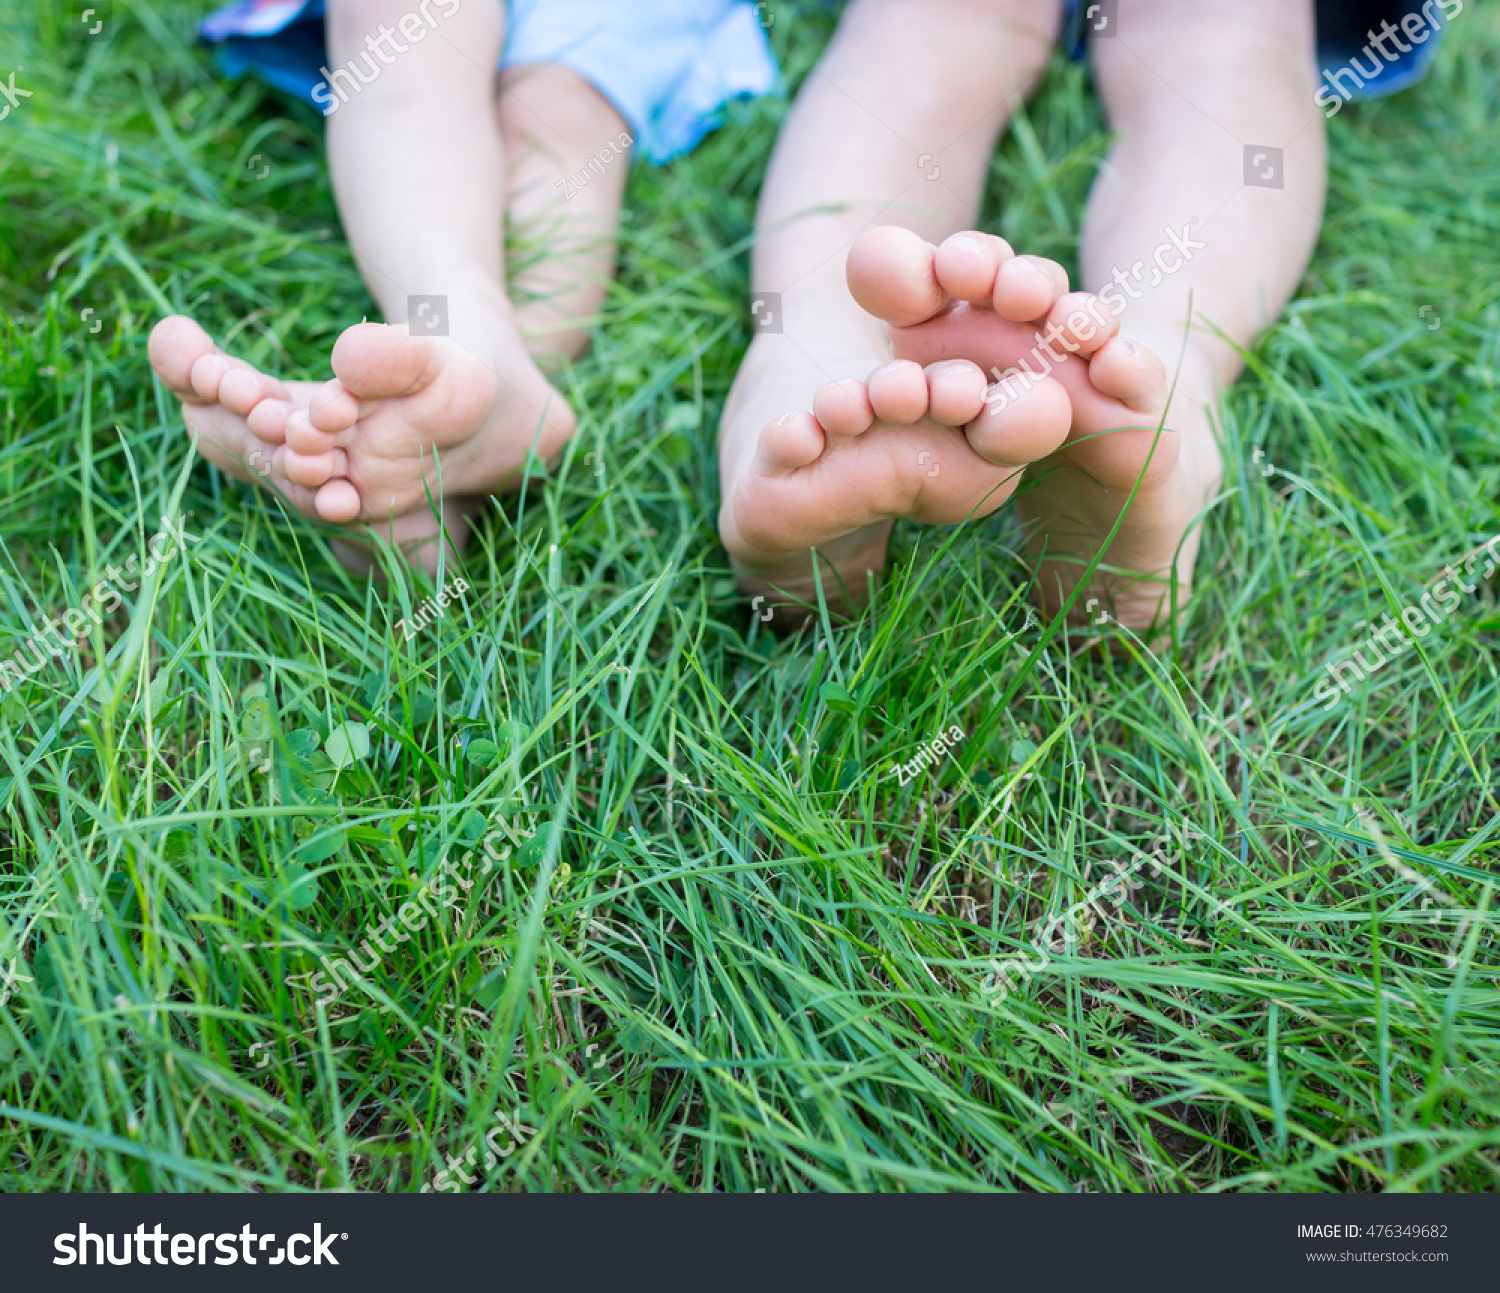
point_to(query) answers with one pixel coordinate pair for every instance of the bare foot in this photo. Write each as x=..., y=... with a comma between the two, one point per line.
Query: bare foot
x=908, y=441
x=973, y=298
x=219, y=395
x=404, y=417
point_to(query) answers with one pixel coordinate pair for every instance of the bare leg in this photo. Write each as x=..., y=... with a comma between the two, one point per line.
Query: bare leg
x=1188, y=84
x=554, y=125
x=1171, y=227
x=423, y=159
x=903, y=80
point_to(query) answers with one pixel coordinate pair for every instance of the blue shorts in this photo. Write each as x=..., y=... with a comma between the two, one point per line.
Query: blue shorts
x=1360, y=42
x=668, y=66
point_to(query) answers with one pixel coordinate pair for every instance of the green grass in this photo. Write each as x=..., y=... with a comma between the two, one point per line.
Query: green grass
x=736, y=954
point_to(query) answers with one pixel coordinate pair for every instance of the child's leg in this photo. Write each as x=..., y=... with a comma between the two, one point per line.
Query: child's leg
x=1188, y=85
x=909, y=89
x=420, y=161
x=554, y=125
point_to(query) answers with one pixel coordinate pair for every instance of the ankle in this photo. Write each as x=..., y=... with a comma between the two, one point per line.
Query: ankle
x=469, y=290
x=479, y=318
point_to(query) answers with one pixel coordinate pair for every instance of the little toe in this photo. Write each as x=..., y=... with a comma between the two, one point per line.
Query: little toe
x=380, y=361
x=898, y=391
x=792, y=441
x=890, y=273
x=337, y=502
x=1026, y=287
x=1084, y=322
x=1024, y=420
x=1130, y=373
x=955, y=391
x=843, y=409
x=966, y=265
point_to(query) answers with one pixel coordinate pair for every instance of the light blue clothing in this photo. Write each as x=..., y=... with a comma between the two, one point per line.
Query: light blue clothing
x=668, y=66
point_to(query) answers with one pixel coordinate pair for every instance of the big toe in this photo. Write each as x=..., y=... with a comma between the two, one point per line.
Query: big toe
x=1022, y=422
x=891, y=273
x=175, y=345
x=380, y=361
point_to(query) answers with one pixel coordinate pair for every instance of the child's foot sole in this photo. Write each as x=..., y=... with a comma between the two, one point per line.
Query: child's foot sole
x=908, y=441
x=964, y=299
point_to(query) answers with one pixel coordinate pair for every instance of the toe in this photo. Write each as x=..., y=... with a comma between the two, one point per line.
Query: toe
x=176, y=344
x=1026, y=287
x=1084, y=322
x=966, y=265
x=338, y=502
x=843, y=409
x=220, y=436
x=379, y=361
x=314, y=470
x=955, y=391
x=1024, y=420
x=242, y=388
x=792, y=441
x=333, y=408
x=267, y=420
x=898, y=391
x=1130, y=373
x=891, y=274
x=323, y=425
x=305, y=437
x=205, y=375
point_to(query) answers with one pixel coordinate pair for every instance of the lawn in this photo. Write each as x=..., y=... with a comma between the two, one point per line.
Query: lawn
x=699, y=932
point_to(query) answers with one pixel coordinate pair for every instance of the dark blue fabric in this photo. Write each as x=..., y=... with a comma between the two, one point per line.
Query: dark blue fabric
x=1344, y=31
x=290, y=58
x=1344, y=28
